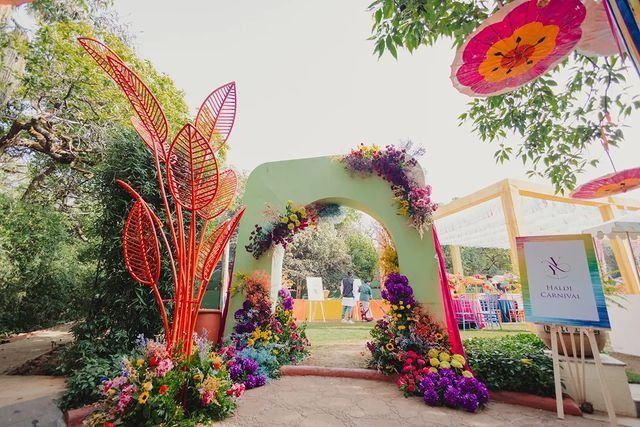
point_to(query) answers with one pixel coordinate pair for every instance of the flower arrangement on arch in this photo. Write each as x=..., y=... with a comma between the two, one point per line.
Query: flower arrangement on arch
x=281, y=230
x=408, y=342
x=397, y=166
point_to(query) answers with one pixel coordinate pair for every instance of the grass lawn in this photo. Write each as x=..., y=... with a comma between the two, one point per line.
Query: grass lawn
x=327, y=333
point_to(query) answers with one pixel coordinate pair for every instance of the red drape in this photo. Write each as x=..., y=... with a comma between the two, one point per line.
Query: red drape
x=452, y=323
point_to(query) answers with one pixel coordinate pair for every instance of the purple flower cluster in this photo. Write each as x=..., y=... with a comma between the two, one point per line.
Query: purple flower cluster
x=245, y=371
x=396, y=289
x=285, y=297
x=453, y=390
x=396, y=166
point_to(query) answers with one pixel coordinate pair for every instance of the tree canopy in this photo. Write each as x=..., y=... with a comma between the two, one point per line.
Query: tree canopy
x=555, y=118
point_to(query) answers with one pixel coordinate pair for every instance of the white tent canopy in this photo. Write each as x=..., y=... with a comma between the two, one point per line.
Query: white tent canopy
x=628, y=227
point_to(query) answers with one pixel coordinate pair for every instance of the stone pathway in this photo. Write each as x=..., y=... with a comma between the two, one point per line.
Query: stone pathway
x=318, y=402
x=25, y=347
x=29, y=401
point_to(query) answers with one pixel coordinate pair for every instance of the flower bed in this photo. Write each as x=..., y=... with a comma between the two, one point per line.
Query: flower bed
x=155, y=387
x=408, y=342
x=397, y=167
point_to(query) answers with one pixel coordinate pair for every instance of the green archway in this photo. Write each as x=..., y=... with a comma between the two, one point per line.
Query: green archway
x=305, y=181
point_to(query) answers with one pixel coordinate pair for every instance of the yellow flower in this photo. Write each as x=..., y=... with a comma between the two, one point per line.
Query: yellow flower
x=198, y=377
x=408, y=305
x=439, y=336
x=444, y=356
x=111, y=391
x=390, y=346
x=445, y=365
x=456, y=364
x=303, y=211
x=284, y=219
x=144, y=396
x=433, y=353
x=433, y=370
x=293, y=217
x=401, y=327
x=147, y=386
x=399, y=315
x=139, y=362
x=401, y=303
x=291, y=226
x=459, y=358
x=250, y=342
x=276, y=352
x=467, y=374
x=434, y=362
x=394, y=307
x=526, y=362
x=297, y=223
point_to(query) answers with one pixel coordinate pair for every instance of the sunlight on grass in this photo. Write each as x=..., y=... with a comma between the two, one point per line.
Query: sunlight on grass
x=321, y=333
x=507, y=329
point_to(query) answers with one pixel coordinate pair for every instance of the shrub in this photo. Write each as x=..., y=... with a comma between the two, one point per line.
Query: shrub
x=514, y=363
x=82, y=385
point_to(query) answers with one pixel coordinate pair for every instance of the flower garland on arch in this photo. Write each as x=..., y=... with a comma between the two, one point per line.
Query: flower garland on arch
x=396, y=166
x=282, y=228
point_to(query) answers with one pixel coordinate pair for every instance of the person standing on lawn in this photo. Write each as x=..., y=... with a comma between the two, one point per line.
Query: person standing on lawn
x=348, y=301
x=365, y=297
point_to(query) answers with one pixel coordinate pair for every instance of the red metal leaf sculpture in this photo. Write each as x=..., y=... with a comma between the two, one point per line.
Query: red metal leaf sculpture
x=217, y=114
x=140, y=245
x=196, y=186
x=215, y=247
x=192, y=169
x=142, y=100
x=227, y=186
x=147, y=138
x=100, y=52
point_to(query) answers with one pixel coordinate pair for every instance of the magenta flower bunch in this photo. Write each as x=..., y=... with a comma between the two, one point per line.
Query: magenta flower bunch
x=397, y=167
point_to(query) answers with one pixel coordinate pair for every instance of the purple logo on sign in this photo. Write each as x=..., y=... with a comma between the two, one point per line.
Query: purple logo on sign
x=556, y=269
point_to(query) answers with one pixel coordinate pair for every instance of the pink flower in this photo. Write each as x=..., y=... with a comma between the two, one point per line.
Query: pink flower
x=164, y=366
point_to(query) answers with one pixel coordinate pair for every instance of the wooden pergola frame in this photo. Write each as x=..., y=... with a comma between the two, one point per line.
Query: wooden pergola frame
x=510, y=192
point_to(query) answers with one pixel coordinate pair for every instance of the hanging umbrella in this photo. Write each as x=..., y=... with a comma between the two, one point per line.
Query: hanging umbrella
x=609, y=185
x=625, y=15
x=516, y=45
x=14, y=2
x=598, y=38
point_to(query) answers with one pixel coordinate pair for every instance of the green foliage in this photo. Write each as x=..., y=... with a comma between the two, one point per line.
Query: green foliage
x=513, y=363
x=42, y=267
x=82, y=384
x=488, y=261
x=557, y=117
x=318, y=251
x=120, y=308
x=364, y=256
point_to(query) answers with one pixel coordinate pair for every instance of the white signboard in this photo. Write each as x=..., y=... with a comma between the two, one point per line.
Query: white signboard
x=356, y=289
x=314, y=289
x=560, y=281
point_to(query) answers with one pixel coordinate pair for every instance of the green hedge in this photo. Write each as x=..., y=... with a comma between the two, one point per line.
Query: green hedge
x=513, y=363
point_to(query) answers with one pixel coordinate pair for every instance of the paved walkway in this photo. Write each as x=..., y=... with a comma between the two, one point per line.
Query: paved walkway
x=318, y=402
x=25, y=347
x=29, y=401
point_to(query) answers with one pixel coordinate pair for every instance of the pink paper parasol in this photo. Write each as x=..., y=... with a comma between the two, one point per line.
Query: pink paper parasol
x=609, y=185
x=598, y=38
x=516, y=45
x=14, y=2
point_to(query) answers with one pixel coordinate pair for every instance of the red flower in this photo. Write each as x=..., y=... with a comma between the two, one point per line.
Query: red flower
x=153, y=361
x=163, y=389
x=229, y=392
x=411, y=388
x=216, y=365
x=109, y=425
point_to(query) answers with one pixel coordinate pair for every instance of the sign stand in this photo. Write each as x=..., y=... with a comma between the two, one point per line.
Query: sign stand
x=315, y=296
x=576, y=368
